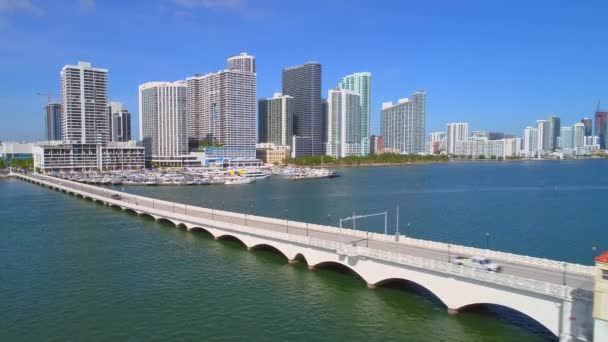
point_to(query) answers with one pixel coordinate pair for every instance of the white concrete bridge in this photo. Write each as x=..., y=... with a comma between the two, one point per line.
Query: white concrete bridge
x=557, y=295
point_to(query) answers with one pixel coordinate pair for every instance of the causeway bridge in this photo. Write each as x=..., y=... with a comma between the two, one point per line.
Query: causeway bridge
x=558, y=295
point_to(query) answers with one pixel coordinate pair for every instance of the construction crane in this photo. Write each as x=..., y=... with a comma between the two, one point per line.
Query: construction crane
x=48, y=96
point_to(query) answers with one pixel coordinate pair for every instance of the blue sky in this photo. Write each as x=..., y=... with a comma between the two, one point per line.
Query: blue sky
x=499, y=65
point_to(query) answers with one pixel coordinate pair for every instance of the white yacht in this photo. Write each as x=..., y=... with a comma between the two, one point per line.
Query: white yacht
x=255, y=174
x=239, y=180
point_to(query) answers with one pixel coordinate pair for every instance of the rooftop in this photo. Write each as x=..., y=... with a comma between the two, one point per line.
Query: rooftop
x=603, y=258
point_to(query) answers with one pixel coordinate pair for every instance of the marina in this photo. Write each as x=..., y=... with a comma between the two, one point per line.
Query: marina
x=193, y=176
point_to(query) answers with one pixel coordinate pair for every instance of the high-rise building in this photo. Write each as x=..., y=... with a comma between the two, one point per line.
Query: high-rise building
x=376, y=144
x=84, y=101
x=601, y=122
x=53, y=121
x=456, y=132
x=579, y=135
x=403, y=124
x=554, y=132
x=163, y=122
x=566, y=137
x=344, y=133
x=119, y=122
x=275, y=120
x=361, y=83
x=221, y=108
x=530, y=141
x=324, y=113
x=588, y=123
x=303, y=82
x=543, y=135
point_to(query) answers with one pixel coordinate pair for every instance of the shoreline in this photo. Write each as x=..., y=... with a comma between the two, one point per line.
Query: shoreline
x=444, y=162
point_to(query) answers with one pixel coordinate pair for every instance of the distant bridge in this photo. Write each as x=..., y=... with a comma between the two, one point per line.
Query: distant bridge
x=557, y=295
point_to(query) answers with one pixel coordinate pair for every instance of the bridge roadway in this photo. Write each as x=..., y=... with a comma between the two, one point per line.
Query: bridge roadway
x=573, y=276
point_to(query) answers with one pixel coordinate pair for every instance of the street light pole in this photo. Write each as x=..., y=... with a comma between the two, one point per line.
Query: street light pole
x=564, y=281
x=286, y=221
x=385, y=223
x=487, y=240
x=354, y=222
x=449, y=253
x=397, y=223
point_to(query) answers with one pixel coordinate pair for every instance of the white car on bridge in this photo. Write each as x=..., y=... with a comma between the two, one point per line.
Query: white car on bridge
x=477, y=262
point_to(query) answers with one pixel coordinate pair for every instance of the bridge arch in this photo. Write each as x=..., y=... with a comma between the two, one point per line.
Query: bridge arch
x=146, y=215
x=340, y=267
x=273, y=249
x=182, y=226
x=513, y=316
x=299, y=257
x=129, y=210
x=165, y=220
x=411, y=286
x=197, y=229
x=228, y=237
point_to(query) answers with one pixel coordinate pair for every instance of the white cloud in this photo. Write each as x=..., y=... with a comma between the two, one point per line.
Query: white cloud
x=86, y=5
x=12, y=6
x=214, y=4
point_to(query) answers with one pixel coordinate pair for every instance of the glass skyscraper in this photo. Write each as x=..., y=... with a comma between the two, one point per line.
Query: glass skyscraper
x=53, y=121
x=303, y=82
x=361, y=83
x=403, y=124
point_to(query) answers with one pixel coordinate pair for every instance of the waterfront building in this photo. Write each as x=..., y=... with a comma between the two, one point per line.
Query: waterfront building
x=436, y=142
x=120, y=122
x=530, y=144
x=566, y=138
x=303, y=83
x=344, y=133
x=512, y=147
x=601, y=122
x=275, y=120
x=162, y=122
x=588, y=123
x=543, y=135
x=403, y=124
x=456, y=132
x=376, y=144
x=578, y=139
x=72, y=156
x=477, y=148
x=270, y=153
x=84, y=96
x=324, y=114
x=221, y=108
x=301, y=147
x=361, y=83
x=554, y=132
x=52, y=120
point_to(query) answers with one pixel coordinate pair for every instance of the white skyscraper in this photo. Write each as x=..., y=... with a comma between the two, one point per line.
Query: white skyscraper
x=456, y=132
x=221, y=108
x=530, y=141
x=361, y=83
x=403, y=124
x=344, y=133
x=84, y=101
x=579, y=135
x=163, y=122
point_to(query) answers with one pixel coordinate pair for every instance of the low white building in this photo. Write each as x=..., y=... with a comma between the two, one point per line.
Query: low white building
x=475, y=148
x=62, y=156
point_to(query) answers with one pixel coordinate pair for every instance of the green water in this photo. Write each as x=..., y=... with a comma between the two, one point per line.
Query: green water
x=73, y=270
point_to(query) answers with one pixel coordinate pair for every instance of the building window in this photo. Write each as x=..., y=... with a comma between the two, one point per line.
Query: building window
x=604, y=274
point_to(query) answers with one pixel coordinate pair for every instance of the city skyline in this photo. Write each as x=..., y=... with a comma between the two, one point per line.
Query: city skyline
x=467, y=86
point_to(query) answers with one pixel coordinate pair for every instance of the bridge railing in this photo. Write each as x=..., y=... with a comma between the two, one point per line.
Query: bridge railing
x=444, y=247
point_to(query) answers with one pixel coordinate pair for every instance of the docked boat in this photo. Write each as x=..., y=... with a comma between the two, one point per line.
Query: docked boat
x=239, y=180
x=255, y=175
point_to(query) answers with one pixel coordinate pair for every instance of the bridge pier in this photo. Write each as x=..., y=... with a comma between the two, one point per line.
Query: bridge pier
x=452, y=312
x=371, y=286
x=292, y=261
x=312, y=268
